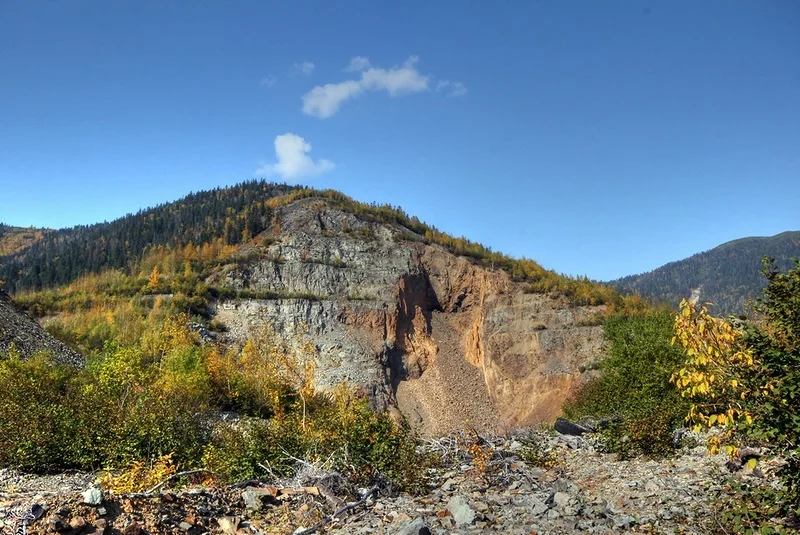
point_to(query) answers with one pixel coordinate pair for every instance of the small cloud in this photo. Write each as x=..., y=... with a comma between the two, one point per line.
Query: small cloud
x=357, y=64
x=294, y=163
x=453, y=89
x=305, y=67
x=325, y=100
x=396, y=81
x=268, y=81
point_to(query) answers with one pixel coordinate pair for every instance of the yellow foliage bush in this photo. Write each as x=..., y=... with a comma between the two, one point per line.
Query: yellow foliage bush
x=718, y=373
x=139, y=476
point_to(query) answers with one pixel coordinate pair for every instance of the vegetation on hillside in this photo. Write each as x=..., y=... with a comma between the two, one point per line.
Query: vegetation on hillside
x=151, y=393
x=211, y=224
x=151, y=389
x=745, y=379
x=16, y=239
x=154, y=392
x=579, y=290
x=232, y=215
x=728, y=275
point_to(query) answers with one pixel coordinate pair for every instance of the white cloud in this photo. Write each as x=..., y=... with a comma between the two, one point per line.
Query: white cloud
x=325, y=100
x=305, y=67
x=396, y=81
x=453, y=89
x=268, y=81
x=357, y=64
x=294, y=163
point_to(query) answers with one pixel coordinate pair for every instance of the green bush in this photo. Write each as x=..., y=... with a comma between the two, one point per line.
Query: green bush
x=776, y=343
x=370, y=445
x=128, y=404
x=535, y=452
x=634, y=391
x=36, y=427
x=239, y=451
x=342, y=429
x=132, y=406
x=751, y=509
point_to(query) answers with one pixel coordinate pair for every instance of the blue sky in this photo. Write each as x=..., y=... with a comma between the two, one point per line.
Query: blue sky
x=598, y=138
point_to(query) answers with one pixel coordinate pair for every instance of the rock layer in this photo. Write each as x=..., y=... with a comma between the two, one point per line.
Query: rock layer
x=447, y=341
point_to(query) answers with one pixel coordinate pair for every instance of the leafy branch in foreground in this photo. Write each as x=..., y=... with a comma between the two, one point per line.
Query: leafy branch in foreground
x=718, y=373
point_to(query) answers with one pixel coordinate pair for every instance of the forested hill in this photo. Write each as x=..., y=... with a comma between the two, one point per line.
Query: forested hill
x=60, y=256
x=211, y=226
x=727, y=275
x=16, y=239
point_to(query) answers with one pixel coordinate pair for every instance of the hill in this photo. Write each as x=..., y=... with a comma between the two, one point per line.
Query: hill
x=230, y=217
x=263, y=345
x=16, y=239
x=441, y=328
x=61, y=256
x=728, y=275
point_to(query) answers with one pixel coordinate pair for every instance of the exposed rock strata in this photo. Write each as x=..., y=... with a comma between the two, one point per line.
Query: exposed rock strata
x=447, y=341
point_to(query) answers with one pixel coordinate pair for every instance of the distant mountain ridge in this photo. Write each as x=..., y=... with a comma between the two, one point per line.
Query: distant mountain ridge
x=728, y=275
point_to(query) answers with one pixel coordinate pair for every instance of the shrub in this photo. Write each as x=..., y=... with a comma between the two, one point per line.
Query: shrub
x=139, y=476
x=37, y=427
x=634, y=389
x=122, y=408
x=341, y=428
x=371, y=444
x=239, y=451
x=145, y=409
x=535, y=453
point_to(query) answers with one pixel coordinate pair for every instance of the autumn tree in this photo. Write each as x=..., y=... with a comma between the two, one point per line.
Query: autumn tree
x=154, y=280
x=271, y=364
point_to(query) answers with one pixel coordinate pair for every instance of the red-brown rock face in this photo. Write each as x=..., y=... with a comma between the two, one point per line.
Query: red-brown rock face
x=448, y=342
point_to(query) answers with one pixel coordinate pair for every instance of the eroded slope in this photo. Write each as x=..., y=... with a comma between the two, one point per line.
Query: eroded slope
x=447, y=342
x=26, y=336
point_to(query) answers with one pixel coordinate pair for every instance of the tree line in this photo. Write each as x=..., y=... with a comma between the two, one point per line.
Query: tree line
x=60, y=256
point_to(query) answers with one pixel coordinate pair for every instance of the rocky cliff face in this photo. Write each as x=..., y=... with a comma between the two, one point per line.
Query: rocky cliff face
x=19, y=330
x=444, y=341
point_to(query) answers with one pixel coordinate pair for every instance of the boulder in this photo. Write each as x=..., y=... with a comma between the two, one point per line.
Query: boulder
x=565, y=427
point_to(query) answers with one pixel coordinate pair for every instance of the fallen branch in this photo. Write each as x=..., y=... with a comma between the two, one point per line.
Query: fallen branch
x=246, y=483
x=268, y=470
x=176, y=476
x=341, y=511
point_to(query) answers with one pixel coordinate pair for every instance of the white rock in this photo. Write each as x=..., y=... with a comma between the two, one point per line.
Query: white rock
x=461, y=511
x=93, y=496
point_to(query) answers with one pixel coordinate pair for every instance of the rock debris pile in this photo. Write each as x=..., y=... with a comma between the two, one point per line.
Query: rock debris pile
x=526, y=483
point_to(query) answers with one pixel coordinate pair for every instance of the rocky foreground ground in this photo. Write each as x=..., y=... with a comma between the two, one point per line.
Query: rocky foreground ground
x=566, y=486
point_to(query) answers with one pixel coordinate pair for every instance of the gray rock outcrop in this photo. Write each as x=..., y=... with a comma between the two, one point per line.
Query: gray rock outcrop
x=447, y=341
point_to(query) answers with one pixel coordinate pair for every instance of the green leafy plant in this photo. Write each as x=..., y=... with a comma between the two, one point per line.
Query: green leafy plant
x=633, y=393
